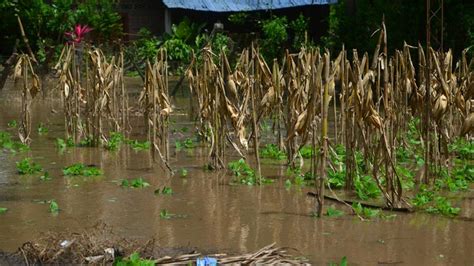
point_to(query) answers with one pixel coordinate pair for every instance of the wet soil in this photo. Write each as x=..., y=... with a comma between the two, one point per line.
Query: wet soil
x=214, y=215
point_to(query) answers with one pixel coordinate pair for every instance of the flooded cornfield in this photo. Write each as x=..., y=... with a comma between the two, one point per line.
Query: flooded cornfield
x=212, y=213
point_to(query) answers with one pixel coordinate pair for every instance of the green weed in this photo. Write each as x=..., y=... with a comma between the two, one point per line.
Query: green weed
x=62, y=144
x=80, y=169
x=365, y=212
x=134, y=260
x=12, y=124
x=271, y=151
x=245, y=174
x=138, y=145
x=42, y=129
x=27, y=167
x=3, y=210
x=365, y=187
x=115, y=141
x=332, y=212
x=45, y=177
x=135, y=183
x=164, y=191
x=53, y=207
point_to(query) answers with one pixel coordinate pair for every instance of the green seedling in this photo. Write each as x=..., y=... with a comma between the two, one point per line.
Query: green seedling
x=365, y=212
x=135, y=183
x=27, y=167
x=12, y=124
x=139, y=146
x=165, y=191
x=7, y=143
x=115, y=141
x=271, y=151
x=45, y=177
x=3, y=210
x=53, y=207
x=245, y=174
x=184, y=172
x=42, y=129
x=80, y=169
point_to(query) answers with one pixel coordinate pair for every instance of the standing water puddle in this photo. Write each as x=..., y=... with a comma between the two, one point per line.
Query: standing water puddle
x=212, y=215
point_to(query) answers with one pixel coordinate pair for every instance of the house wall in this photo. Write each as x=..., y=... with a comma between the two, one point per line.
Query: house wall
x=137, y=14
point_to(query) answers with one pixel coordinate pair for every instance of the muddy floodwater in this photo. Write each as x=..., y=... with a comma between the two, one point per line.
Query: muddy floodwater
x=216, y=215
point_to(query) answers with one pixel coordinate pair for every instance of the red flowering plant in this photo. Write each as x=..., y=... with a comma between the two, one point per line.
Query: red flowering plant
x=78, y=34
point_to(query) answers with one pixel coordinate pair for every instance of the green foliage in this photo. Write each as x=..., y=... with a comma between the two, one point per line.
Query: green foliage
x=275, y=35
x=238, y=18
x=407, y=177
x=45, y=177
x=443, y=206
x=27, y=167
x=135, y=183
x=299, y=27
x=88, y=141
x=164, y=191
x=187, y=143
x=366, y=187
x=134, y=260
x=45, y=22
x=80, y=169
x=332, y=212
x=307, y=152
x=165, y=214
x=3, y=210
x=183, y=172
x=53, y=207
x=42, y=129
x=365, y=212
x=62, y=144
x=7, y=143
x=115, y=141
x=462, y=148
x=343, y=262
x=178, y=50
x=12, y=124
x=245, y=174
x=432, y=203
x=273, y=152
x=139, y=146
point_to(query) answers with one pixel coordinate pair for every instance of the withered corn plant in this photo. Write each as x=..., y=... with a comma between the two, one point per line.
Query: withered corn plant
x=156, y=107
x=94, y=98
x=31, y=86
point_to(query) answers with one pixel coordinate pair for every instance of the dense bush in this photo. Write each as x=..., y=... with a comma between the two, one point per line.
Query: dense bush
x=45, y=22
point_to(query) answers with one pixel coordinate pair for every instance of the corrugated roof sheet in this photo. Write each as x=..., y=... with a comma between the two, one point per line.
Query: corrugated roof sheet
x=241, y=5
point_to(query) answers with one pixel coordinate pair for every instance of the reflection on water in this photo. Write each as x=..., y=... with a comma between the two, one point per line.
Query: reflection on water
x=219, y=216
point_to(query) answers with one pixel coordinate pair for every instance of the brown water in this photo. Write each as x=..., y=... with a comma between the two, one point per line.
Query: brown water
x=219, y=216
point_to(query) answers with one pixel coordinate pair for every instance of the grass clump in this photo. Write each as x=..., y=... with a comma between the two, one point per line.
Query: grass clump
x=80, y=169
x=27, y=167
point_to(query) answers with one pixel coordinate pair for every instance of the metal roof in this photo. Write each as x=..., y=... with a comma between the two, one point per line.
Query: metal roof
x=241, y=5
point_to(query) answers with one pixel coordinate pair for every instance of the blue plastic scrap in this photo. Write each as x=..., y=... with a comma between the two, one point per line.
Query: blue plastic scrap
x=206, y=261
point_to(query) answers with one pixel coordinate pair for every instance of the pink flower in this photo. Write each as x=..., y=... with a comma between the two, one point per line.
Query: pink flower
x=78, y=34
